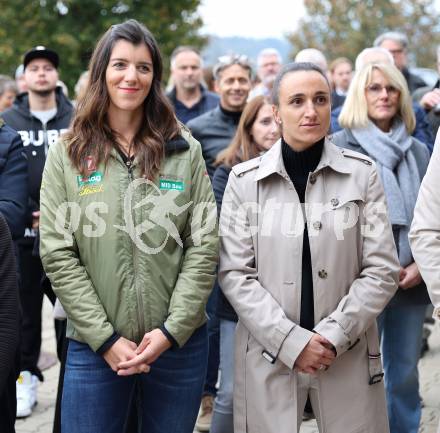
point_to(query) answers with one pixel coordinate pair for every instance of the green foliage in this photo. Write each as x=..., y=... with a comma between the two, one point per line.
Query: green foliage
x=72, y=27
x=346, y=27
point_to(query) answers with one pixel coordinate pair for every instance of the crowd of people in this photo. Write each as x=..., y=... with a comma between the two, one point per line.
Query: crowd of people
x=234, y=257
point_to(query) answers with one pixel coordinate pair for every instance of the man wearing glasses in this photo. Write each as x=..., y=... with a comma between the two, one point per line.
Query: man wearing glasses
x=397, y=44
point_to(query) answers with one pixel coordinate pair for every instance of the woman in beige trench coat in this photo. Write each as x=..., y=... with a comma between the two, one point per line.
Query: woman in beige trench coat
x=307, y=295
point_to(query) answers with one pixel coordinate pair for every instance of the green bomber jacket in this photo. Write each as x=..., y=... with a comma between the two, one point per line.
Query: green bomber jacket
x=125, y=254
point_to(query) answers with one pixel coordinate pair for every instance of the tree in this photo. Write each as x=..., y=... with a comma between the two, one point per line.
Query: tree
x=72, y=27
x=346, y=27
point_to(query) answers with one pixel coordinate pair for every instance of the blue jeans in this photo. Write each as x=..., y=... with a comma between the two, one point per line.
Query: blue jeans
x=401, y=330
x=223, y=406
x=96, y=399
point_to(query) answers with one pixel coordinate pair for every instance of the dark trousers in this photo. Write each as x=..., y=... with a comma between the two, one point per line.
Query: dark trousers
x=31, y=302
x=8, y=404
x=214, y=345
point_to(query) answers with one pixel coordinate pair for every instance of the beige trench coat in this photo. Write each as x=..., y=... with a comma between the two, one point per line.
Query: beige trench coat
x=425, y=229
x=355, y=274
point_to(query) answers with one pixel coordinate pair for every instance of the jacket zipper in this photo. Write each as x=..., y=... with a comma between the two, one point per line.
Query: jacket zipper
x=140, y=310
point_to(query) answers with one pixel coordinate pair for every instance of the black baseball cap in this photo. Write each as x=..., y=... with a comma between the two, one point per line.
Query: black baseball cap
x=41, y=52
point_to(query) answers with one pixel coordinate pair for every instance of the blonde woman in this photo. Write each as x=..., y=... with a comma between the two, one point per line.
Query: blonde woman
x=378, y=120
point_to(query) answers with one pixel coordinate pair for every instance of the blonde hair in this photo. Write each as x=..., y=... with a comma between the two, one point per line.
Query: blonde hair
x=354, y=113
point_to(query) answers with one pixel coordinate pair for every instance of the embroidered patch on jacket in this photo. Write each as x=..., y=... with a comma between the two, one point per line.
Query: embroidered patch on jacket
x=90, y=184
x=167, y=182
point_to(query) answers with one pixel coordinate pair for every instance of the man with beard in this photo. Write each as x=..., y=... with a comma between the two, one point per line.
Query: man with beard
x=268, y=64
x=189, y=98
x=39, y=116
x=215, y=130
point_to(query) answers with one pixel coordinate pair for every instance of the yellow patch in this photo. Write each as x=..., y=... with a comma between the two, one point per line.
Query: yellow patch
x=90, y=189
x=20, y=379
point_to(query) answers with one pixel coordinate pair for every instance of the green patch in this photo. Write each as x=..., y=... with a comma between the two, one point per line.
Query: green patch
x=169, y=184
x=93, y=179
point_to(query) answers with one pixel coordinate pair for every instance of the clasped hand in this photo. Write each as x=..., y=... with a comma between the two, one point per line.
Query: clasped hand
x=317, y=355
x=126, y=358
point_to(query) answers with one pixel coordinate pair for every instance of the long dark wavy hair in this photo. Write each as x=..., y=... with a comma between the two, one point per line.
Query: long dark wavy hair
x=90, y=135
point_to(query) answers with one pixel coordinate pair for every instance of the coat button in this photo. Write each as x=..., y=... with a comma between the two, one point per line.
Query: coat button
x=317, y=225
x=334, y=202
x=322, y=274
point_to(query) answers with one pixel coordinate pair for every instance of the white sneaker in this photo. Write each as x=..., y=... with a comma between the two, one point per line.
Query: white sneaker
x=26, y=386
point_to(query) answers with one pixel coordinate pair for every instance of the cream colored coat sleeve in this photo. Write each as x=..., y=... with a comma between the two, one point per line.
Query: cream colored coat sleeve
x=425, y=230
x=257, y=309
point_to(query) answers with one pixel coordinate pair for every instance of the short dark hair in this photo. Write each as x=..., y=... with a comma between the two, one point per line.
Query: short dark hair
x=290, y=68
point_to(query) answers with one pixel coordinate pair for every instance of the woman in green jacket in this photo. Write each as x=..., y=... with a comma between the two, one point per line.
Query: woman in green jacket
x=128, y=240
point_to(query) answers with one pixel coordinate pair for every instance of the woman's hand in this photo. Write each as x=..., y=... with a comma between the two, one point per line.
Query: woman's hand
x=124, y=350
x=151, y=347
x=317, y=355
x=410, y=277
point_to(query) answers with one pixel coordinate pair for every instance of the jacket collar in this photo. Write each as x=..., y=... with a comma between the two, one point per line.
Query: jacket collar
x=176, y=144
x=272, y=161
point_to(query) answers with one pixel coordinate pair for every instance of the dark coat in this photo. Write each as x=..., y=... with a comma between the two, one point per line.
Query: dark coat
x=13, y=180
x=208, y=101
x=9, y=318
x=214, y=130
x=36, y=140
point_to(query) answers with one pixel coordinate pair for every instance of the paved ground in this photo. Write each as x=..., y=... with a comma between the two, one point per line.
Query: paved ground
x=41, y=419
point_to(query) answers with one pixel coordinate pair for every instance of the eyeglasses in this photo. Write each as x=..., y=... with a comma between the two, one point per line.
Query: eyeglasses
x=377, y=89
x=229, y=60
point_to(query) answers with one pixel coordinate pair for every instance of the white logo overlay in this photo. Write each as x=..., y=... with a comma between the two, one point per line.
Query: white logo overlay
x=159, y=210
x=162, y=207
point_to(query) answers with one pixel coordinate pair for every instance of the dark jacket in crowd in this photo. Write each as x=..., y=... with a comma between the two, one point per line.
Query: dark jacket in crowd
x=9, y=329
x=414, y=81
x=416, y=295
x=422, y=131
x=337, y=99
x=224, y=309
x=36, y=141
x=8, y=303
x=13, y=180
x=208, y=101
x=433, y=116
x=214, y=130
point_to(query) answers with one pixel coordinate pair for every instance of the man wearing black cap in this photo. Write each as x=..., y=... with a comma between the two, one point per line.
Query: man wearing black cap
x=40, y=115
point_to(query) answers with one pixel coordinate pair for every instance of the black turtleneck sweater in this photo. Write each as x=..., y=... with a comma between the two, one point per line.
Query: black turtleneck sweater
x=298, y=166
x=215, y=131
x=234, y=115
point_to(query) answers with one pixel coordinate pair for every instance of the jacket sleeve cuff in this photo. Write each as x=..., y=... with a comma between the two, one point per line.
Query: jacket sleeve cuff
x=333, y=332
x=293, y=345
x=170, y=338
x=108, y=343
